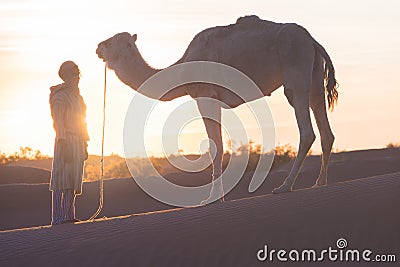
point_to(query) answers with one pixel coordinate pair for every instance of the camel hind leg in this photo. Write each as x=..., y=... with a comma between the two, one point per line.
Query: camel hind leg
x=298, y=96
x=301, y=106
x=297, y=61
x=318, y=106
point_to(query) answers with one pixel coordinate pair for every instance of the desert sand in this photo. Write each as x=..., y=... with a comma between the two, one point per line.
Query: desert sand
x=360, y=204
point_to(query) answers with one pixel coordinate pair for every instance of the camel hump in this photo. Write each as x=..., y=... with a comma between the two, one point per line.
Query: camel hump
x=250, y=18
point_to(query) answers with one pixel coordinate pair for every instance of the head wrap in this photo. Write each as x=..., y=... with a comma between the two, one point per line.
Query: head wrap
x=67, y=67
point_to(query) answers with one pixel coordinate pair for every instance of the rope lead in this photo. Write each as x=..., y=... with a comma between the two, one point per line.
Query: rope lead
x=102, y=151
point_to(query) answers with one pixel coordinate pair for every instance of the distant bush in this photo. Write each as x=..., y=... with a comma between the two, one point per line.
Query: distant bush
x=24, y=153
x=393, y=145
x=116, y=167
x=284, y=154
x=250, y=153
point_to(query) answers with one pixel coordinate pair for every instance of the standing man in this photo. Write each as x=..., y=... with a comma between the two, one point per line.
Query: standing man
x=68, y=111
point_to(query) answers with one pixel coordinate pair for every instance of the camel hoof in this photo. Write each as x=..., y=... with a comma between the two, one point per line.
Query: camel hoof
x=218, y=201
x=203, y=202
x=216, y=193
x=316, y=185
x=282, y=189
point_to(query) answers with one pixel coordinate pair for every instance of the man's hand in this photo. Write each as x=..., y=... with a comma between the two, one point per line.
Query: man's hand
x=65, y=151
x=86, y=152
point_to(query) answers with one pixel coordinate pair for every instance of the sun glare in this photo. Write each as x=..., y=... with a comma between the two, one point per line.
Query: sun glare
x=37, y=36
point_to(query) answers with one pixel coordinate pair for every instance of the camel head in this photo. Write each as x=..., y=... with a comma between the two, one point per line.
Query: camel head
x=118, y=47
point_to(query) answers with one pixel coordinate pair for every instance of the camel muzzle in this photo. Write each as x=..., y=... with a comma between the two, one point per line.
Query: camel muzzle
x=98, y=52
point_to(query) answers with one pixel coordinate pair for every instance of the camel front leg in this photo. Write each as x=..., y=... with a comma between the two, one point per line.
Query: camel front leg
x=210, y=110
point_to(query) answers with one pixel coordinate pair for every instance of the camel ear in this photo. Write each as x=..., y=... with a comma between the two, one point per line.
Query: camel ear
x=134, y=37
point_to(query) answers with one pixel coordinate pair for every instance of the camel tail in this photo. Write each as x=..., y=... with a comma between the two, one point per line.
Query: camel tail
x=331, y=84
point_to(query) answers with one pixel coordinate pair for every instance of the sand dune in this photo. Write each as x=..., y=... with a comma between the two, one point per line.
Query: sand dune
x=41, y=163
x=23, y=175
x=355, y=206
x=363, y=211
x=30, y=205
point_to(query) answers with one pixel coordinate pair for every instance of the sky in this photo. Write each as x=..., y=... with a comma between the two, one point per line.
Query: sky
x=361, y=37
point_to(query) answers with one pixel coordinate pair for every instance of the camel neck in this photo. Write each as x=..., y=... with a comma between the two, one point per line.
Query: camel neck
x=134, y=71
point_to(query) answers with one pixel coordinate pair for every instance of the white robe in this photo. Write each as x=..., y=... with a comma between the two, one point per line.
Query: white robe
x=68, y=111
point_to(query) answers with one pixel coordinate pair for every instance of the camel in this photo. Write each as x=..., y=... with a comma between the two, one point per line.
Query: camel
x=271, y=54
